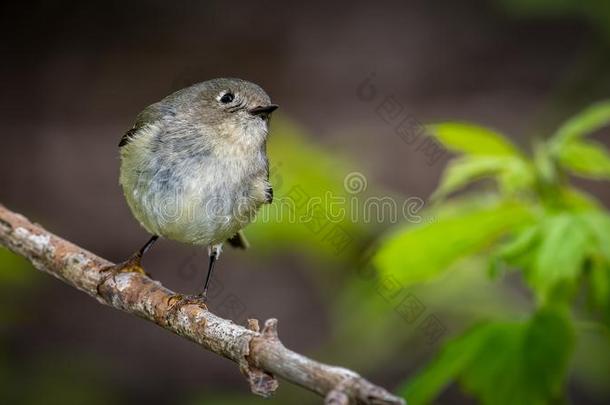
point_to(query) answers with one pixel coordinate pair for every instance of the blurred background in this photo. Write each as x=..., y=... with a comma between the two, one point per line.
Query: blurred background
x=355, y=82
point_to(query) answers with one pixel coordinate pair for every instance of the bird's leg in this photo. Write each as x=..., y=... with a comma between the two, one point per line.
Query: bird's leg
x=134, y=263
x=178, y=301
x=131, y=265
x=213, y=253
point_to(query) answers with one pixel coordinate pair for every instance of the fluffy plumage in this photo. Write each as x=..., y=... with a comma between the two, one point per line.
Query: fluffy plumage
x=194, y=167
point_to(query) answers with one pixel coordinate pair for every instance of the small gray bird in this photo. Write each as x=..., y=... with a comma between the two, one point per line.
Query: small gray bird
x=194, y=166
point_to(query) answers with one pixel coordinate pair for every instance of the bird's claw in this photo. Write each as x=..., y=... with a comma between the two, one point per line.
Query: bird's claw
x=131, y=265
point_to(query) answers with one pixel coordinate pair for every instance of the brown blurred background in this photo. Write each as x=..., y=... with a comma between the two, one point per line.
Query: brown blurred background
x=75, y=74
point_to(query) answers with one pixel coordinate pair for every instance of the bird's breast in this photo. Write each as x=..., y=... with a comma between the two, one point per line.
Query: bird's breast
x=201, y=202
x=195, y=193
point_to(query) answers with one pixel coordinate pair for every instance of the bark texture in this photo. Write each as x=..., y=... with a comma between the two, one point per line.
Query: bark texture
x=259, y=354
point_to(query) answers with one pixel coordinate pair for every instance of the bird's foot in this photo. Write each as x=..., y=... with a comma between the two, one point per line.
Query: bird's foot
x=177, y=301
x=131, y=265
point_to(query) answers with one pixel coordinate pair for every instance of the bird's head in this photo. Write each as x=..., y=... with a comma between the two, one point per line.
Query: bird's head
x=234, y=110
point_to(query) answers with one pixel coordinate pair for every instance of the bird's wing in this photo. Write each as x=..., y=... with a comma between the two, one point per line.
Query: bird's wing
x=269, y=188
x=269, y=194
x=153, y=114
x=128, y=136
x=239, y=241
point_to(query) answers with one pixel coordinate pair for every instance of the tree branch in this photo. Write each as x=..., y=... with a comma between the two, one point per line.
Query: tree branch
x=259, y=354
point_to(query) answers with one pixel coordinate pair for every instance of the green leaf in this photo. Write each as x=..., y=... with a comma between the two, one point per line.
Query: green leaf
x=460, y=172
x=502, y=363
x=472, y=139
x=420, y=253
x=497, y=357
x=598, y=224
x=536, y=361
x=590, y=120
x=518, y=174
x=544, y=164
x=450, y=363
x=561, y=254
x=520, y=250
x=586, y=159
x=578, y=199
x=511, y=172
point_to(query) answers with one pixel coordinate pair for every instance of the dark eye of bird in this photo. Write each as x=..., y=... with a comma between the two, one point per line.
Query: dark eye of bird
x=227, y=98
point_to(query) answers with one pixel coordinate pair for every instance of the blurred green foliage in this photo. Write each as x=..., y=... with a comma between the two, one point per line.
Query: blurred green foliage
x=49, y=378
x=13, y=269
x=497, y=213
x=528, y=219
x=15, y=275
x=503, y=362
x=61, y=378
x=532, y=221
x=306, y=178
x=463, y=231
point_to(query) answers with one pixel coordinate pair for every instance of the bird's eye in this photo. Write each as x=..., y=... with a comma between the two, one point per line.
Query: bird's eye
x=227, y=98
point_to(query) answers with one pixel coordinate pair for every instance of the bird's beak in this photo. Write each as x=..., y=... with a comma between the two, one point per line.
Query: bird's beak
x=263, y=109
